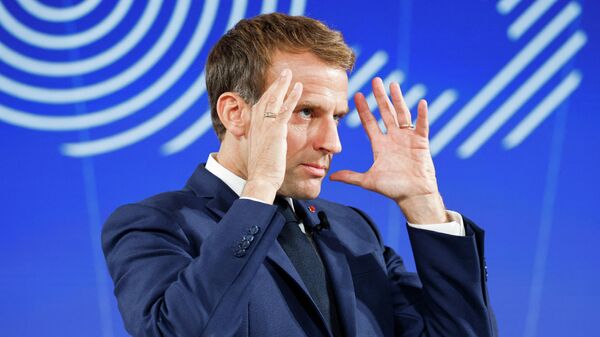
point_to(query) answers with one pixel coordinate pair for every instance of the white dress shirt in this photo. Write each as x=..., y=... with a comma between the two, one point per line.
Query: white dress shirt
x=454, y=227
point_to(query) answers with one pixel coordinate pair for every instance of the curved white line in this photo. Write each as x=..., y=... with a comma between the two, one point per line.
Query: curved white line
x=61, y=123
x=188, y=136
x=238, y=9
x=53, y=14
x=77, y=40
x=297, y=7
x=79, y=67
x=134, y=135
x=113, y=84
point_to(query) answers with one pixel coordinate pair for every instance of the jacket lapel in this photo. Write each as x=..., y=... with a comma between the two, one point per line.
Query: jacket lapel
x=332, y=253
x=206, y=185
x=221, y=203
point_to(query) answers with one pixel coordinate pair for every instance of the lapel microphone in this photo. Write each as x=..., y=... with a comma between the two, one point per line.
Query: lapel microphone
x=324, y=224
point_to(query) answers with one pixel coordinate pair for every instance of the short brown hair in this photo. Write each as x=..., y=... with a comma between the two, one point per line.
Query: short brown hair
x=239, y=60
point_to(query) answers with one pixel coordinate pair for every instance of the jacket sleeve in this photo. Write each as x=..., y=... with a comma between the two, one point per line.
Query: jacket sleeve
x=164, y=288
x=449, y=295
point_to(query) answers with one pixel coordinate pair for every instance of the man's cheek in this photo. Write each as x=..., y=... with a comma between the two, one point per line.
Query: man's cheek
x=297, y=128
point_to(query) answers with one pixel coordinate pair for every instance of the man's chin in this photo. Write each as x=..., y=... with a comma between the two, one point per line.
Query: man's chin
x=307, y=189
x=308, y=196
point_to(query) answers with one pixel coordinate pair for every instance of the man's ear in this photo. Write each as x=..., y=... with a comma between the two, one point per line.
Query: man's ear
x=231, y=108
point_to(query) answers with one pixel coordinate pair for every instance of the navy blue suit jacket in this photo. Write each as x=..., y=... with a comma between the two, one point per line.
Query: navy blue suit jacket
x=178, y=271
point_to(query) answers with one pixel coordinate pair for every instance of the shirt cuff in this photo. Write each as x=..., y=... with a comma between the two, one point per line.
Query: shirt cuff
x=454, y=227
x=253, y=199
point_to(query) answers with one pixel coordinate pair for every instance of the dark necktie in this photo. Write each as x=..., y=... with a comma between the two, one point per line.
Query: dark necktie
x=308, y=264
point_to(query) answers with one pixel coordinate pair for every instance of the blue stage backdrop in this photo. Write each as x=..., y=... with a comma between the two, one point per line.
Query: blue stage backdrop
x=104, y=103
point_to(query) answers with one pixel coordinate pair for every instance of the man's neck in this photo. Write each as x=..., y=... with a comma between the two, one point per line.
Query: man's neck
x=229, y=159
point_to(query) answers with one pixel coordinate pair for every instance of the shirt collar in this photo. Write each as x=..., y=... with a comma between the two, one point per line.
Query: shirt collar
x=229, y=178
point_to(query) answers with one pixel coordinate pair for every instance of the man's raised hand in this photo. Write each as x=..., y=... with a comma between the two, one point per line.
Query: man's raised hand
x=267, y=134
x=402, y=166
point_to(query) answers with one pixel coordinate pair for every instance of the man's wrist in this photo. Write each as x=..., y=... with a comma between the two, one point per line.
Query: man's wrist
x=261, y=190
x=424, y=209
x=455, y=226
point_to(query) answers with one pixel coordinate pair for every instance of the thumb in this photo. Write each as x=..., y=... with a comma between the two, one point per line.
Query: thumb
x=348, y=177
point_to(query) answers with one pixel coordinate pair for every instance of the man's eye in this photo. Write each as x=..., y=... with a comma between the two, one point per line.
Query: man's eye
x=305, y=113
x=337, y=119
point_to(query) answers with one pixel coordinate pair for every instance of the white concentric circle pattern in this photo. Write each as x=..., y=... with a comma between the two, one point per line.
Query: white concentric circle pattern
x=112, y=82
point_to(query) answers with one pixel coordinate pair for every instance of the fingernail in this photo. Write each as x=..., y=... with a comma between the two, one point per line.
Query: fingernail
x=285, y=72
x=297, y=86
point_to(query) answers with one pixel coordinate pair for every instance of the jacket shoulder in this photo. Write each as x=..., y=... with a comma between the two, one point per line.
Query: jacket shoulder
x=171, y=201
x=158, y=213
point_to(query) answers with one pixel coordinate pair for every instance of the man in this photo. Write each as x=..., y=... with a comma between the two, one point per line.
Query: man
x=247, y=249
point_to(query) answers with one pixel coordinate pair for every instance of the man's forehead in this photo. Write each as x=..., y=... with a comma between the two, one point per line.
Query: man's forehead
x=325, y=86
x=301, y=62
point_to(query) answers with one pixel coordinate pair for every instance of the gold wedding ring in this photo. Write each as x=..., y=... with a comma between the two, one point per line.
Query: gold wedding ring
x=407, y=126
x=269, y=114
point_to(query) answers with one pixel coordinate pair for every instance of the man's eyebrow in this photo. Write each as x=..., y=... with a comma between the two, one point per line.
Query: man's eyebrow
x=307, y=105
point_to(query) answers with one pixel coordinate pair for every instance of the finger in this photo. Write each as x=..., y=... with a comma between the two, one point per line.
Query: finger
x=258, y=109
x=288, y=106
x=385, y=106
x=348, y=177
x=369, y=122
x=273, y=97
x=403, y=114
x=422, y=124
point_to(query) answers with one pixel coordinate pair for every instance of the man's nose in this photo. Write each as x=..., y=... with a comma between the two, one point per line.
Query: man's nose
x=328, y=139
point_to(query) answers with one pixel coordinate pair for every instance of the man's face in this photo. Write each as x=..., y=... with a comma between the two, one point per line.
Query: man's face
x=312, y=137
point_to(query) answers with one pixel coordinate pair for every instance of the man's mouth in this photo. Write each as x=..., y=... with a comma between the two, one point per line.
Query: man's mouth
x=315, y=169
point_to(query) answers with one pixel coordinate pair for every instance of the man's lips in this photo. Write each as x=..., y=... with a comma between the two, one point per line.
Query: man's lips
x=315, y=165
x=315, y=169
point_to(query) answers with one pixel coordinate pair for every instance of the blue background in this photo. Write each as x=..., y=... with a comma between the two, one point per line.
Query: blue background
x=538, y=201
